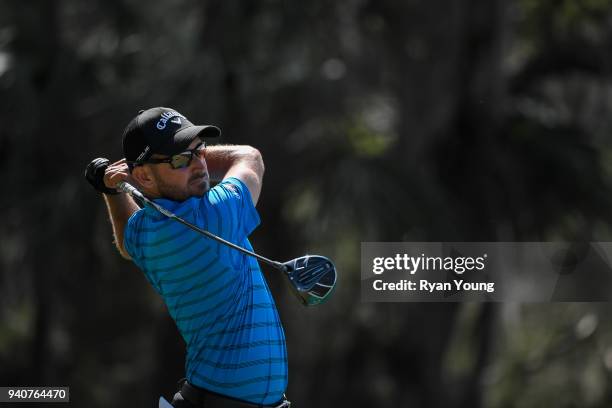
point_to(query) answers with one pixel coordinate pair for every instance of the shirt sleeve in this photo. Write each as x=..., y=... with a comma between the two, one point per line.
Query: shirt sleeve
x=129, y=237
x=233, y=206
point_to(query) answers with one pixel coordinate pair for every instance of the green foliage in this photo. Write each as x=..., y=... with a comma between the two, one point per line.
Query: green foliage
x=366, y=143
x=550, y=350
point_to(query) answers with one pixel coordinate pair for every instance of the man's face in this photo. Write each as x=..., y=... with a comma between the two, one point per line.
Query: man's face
x=181, y=184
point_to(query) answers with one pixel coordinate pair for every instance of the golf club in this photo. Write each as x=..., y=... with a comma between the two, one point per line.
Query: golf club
x=312, y=278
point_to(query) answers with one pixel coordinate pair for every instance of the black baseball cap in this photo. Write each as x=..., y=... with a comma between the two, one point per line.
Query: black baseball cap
x=162, y=131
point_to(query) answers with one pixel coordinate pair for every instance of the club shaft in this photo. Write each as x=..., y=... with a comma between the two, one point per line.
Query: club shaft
x=123, y=186
x=229, y=244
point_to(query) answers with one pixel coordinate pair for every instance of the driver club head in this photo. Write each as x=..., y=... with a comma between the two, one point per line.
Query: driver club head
x=312, y=278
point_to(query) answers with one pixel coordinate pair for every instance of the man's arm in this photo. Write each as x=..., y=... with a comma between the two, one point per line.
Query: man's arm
x=243, y=162
x=121, y=206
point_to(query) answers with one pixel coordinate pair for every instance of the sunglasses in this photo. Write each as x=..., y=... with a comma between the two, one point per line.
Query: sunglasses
x=178, y=161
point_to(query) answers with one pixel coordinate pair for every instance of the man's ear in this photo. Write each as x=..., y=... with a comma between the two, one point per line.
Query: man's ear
x=144, y=177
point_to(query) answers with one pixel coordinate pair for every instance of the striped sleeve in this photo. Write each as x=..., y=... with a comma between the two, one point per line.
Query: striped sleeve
x=232, y=199
x=130, y=243
x=130, y=234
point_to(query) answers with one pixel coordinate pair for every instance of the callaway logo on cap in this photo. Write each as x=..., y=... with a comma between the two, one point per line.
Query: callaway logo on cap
x=172, y=116
x=162, y=131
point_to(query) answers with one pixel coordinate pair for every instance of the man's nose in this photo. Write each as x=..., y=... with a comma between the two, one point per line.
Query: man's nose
x=199, y=162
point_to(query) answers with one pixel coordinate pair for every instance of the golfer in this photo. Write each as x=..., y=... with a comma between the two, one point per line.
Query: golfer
x=222, y=306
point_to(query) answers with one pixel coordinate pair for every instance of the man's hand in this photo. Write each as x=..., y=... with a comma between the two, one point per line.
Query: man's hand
x=104, y=176
x=116, y=173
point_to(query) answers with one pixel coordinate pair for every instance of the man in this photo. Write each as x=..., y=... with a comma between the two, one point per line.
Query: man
x=222, y=306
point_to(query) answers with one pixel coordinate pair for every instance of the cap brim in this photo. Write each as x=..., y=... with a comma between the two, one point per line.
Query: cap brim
x=183, y=138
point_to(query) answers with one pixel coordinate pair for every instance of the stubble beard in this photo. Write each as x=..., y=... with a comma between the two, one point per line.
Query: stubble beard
x=182, y=193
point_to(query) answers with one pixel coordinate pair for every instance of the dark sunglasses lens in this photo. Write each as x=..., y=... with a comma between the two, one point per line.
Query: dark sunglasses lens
x=180, y=161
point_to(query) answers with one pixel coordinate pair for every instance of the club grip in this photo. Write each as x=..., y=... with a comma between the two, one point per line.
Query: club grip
x=130, y=189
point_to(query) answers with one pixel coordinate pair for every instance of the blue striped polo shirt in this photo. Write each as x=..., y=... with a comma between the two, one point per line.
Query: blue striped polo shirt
x=217, y=296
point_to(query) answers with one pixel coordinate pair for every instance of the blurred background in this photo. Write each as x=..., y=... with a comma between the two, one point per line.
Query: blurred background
x=378, y=120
